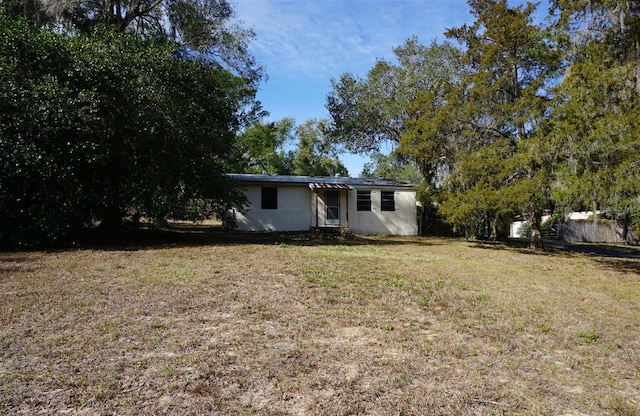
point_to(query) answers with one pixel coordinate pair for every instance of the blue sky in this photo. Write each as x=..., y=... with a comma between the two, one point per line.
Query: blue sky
x=305, y=43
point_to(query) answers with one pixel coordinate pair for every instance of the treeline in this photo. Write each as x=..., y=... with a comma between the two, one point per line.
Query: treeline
x=127, y=109
x=508, y=116
x=284, y=148
x=113, y=112
x=110, y=114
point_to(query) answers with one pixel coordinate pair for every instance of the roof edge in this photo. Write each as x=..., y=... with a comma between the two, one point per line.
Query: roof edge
x=326, y=180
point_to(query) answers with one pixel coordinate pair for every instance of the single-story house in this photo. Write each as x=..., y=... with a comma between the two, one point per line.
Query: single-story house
x=303, y=203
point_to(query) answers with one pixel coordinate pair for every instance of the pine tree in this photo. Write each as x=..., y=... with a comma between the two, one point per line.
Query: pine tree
x=499, y=106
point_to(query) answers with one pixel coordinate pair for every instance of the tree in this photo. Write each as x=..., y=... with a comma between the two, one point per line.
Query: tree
x=369, y=112
x=101, y=126
x=404, y=104
x=595, y=119
x=614, y=24
x=282, y=148
x=36, y=190
x=502, y=102
x=203, y=27
x=391, y=166
x=29, y=9
x=315, y=154
x=260, y=148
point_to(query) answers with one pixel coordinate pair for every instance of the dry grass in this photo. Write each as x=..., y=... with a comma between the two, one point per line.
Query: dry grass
x=376, y=326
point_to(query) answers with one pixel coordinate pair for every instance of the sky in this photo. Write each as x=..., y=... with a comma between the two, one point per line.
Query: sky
x=305, y=43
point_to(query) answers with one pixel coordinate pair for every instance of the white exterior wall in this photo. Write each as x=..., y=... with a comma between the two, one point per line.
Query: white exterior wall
x=293, y=213
x=514, y=231
x=516, y=226
x=297, y=211
x=402, y=221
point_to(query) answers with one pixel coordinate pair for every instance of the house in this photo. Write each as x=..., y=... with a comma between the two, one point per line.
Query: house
x=303, y=203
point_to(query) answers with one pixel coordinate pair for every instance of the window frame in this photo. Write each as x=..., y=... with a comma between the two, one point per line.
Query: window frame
x=363, y=204
x=387, y=201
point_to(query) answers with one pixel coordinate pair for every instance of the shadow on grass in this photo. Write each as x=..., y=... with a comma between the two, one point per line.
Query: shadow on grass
x=623, y=259
x=620, y=265
x=519, y=246
x=13, y=258
x=597, y=249
x=189, y=235
x=14, y=262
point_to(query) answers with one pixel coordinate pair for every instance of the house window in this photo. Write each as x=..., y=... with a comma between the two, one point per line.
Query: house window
x=364, y=201
x=269, y=197
x=388, y=201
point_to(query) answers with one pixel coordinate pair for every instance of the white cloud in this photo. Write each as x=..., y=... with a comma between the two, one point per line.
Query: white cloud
x=326, y=38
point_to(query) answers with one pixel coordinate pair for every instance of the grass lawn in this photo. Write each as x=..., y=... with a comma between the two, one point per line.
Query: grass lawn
x=287, y=325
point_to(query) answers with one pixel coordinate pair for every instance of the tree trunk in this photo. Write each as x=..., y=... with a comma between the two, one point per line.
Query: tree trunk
x=29, y=9
x=626, y=221
x=536, y=230
x=424, y=221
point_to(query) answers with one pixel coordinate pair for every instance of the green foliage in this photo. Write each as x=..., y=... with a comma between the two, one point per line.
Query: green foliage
x=589, y=336
x=404, y=104
x=391, y=166
x=548, y=227
x=101, y=126
x=368, y=112
x=528, y=118
x=205, y=28
x=36, y=188
x=260, y=149
x=501, y=103
x=595, y=119
x=316, y=155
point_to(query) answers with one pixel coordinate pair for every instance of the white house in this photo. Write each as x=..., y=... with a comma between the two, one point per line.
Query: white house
x=303, y=203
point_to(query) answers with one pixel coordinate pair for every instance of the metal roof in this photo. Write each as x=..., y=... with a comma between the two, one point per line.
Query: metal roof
x=322, y=182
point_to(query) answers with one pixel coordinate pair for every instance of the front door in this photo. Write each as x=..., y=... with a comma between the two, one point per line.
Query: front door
x=332, y=204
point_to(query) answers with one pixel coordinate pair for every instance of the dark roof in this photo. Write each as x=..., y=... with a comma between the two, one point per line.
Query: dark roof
x=321, y=181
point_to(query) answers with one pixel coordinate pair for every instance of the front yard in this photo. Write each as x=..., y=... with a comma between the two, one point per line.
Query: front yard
x=376, y=326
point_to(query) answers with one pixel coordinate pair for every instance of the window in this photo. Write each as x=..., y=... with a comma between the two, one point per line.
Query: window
x=269, y=197
x=388, y=201
x=363, y=201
